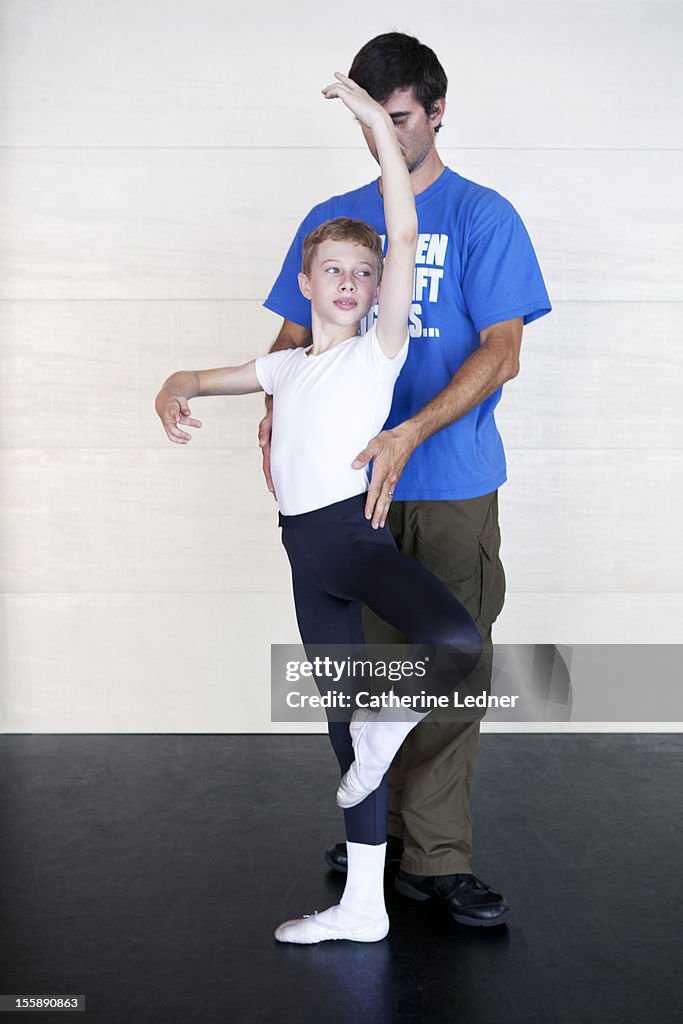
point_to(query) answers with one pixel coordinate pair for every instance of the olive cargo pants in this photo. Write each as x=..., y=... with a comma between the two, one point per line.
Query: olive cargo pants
x=431, y=775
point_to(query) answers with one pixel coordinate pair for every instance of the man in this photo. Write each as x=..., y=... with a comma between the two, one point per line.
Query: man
x=439, y=460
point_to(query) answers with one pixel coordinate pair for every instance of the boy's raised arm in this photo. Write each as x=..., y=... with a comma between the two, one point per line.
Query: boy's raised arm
x=398, y=277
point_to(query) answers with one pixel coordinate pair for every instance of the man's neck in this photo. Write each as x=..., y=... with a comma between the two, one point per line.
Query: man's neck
x=425, y=175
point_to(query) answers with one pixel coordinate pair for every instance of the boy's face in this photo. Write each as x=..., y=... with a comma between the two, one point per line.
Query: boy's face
x=342, y=284
x=414, y=129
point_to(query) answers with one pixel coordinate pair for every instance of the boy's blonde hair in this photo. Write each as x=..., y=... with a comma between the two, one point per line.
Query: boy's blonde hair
x=343, y=229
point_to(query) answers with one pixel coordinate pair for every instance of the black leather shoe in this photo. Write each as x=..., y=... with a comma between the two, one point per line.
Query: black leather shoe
x=336, y=859
x=470, y=900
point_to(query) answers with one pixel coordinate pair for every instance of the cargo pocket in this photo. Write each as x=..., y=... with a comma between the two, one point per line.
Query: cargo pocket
x=492, y=595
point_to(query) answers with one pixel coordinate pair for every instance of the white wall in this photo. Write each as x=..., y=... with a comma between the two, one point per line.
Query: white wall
x=157, y=157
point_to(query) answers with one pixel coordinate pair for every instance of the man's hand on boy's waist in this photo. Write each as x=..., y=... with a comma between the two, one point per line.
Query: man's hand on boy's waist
x=390, y=450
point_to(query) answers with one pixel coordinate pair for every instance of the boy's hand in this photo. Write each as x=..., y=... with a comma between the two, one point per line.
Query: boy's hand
x=172, y=410
x=367, y=110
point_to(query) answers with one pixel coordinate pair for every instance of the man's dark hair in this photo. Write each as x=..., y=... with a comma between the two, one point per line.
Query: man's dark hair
x=396, y=61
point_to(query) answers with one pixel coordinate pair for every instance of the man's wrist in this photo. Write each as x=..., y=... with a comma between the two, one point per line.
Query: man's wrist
x=411, y=432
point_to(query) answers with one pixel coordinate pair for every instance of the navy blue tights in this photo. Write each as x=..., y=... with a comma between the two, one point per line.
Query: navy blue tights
x=339, y=563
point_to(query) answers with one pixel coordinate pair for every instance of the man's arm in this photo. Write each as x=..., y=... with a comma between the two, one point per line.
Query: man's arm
x=487, y=369
x=291, y=335
x=495, y=362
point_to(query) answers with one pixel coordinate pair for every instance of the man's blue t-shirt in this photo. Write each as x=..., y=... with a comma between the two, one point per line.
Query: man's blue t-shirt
x=475, y=266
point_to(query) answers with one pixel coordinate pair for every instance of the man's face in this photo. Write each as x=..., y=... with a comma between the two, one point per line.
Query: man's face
x=414, y=129
x=342, y=284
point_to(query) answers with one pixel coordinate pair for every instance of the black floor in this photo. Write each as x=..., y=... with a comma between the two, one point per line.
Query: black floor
x=148, y=872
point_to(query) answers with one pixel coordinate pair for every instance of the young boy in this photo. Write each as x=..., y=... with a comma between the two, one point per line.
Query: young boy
x=328, y=400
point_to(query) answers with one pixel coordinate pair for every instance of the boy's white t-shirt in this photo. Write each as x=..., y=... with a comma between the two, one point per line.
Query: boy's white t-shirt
x=325, y=410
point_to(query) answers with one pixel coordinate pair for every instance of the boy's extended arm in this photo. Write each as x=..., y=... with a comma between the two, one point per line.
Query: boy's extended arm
x=396, y=292
x=171, y=401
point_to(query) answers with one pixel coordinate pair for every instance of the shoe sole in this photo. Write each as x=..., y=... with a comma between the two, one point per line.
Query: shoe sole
x=486, y=923
x=347, y=793
x=374, y=932
x=406, y=889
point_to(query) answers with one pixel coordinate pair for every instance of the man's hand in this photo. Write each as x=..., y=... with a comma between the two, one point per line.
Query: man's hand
x=265, y=428
x=359, y=102
x=173, y=409
x=391, y=450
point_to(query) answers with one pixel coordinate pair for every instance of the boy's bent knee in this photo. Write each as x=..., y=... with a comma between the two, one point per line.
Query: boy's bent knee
x=461, y=636
x=457, y=651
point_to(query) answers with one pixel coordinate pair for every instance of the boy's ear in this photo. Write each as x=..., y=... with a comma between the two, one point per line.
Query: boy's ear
x=304, y=286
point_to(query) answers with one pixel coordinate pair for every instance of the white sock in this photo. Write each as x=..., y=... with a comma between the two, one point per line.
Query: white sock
x=364, y=889
x=363, y=896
